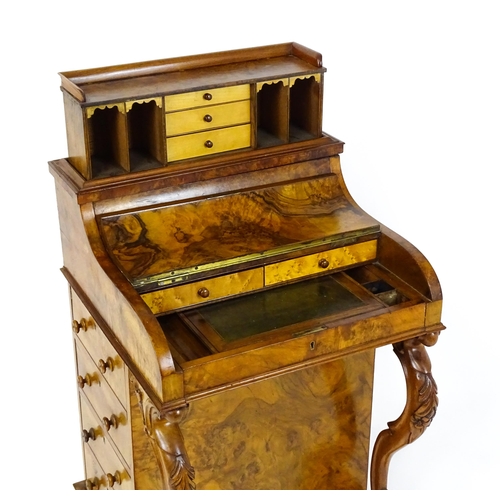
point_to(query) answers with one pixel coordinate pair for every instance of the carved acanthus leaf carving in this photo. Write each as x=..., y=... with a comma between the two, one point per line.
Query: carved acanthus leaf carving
x=420, y=409
x=168, y=444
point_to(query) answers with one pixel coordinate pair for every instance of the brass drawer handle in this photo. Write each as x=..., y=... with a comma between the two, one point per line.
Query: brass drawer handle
x=203, y=292
x=207, y=118
x=110, y=422
x=207, y=96
x=105, y=365
x=209, y=144
x=323, y=263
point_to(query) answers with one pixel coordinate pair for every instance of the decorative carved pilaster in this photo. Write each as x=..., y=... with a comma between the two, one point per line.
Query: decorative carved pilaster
x=420, y=409
x=168, y=444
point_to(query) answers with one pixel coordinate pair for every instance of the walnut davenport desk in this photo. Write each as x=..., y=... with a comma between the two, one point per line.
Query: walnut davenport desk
x=227, y=293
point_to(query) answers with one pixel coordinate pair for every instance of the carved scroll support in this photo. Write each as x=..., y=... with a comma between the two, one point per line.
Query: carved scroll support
x=168, y=444
x=421, y=405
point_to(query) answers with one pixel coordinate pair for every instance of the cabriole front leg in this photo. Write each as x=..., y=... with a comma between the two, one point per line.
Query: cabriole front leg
x=421, y=405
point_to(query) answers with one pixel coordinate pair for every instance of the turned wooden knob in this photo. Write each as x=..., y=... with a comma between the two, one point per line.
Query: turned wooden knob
x=105, y=365
x=83, y=380
x=207, y=96
x=110, y=422
x=203, y=292
x=82, y=325
x=209, y=144
x=114, y=479
x=323, y=263
x=88, y=434
x=92, y=484
x=207, y=118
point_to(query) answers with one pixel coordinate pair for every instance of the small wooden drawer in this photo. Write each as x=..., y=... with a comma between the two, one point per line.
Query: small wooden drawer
x=206, y=97
x=92, y=382
x=320, y=262
x=95, y=479
x=100, y=426
x=110, y=476
x=204, y=291
x=209, y=142
x=100, y=349
x=195, y=120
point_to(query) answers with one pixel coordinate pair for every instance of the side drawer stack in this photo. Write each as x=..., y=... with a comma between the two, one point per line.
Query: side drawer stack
x=102, y=379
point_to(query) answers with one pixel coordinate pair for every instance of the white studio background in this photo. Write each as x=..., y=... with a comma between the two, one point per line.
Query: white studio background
x=413, y=90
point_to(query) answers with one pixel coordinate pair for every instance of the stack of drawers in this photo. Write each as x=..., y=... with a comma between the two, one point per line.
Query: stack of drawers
x=102, y=378
x=207, y=122
x=169, y=299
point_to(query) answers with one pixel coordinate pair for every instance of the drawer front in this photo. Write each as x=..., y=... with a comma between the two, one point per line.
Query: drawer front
x=207, y=143
x=310, y=265
x=92, y=382
x=204, y=291
x=96, y=435
x=206, y=97
x=111, y=476
x=98, y=346
x=195, y=120
x=94, y=475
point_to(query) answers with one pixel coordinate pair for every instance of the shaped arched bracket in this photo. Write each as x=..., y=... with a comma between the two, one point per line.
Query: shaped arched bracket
x=420, y=409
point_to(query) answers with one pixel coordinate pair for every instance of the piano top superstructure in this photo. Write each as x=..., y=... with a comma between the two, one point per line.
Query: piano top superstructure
x=206, y=225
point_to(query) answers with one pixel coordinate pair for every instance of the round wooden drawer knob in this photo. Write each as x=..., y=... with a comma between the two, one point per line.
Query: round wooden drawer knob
x=110, y=422
x=209, y=144
x=92, y=484
x=105, y=365
x=77, y=326
x=207, y=118
x=88, y=435
x=203, y=292
x=323, y=263
x=81, y=381
x=207, y=96
x=114, y=479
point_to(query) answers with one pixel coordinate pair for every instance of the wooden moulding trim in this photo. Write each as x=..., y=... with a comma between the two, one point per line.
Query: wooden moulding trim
x=204, y=393
x=71, y=80
x=185, y=172
x=108, y=332
x=192, y=171
x=308, y=55
x=71, y=178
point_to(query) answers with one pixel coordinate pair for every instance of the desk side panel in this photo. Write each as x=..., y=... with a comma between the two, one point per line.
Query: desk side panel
x=132, y=323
